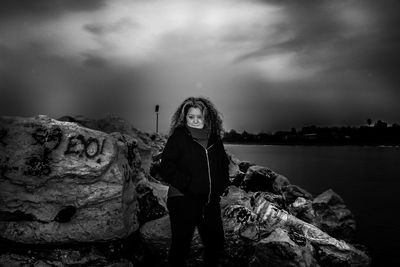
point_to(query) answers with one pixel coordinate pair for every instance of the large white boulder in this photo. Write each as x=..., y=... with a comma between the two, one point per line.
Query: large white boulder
x=62, y=183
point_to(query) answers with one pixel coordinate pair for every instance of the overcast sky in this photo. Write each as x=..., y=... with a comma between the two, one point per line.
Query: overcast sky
x=267, y=65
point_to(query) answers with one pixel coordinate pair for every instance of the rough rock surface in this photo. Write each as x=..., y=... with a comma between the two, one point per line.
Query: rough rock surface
x=292, y=192
x=234, y=167
x=259, y=178
x=62, y=258
x=151, y=201
x=156, y=234
x=61, y=182
x=332, y=215
x=244, y=165
x=302, y=209
x=255, y=218
x=278, y=249
x=148, y=145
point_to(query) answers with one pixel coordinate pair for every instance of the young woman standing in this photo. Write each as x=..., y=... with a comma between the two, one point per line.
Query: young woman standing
x=196, y=166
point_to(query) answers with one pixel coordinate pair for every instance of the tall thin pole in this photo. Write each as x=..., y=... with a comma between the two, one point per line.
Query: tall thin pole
x=157, y=108
x=157, y=123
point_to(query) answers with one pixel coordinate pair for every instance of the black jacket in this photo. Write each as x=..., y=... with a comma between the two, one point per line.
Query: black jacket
x=193, y=169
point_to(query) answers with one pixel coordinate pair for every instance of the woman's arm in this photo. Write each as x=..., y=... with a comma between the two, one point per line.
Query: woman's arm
x=170, y=170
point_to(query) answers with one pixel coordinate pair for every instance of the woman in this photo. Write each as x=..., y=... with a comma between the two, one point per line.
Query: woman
x=195, y=164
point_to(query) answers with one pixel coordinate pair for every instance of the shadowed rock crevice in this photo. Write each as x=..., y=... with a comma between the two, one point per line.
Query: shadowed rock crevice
x=3, y=133
x=15, y=216
x=65, y=214
x=149, y=207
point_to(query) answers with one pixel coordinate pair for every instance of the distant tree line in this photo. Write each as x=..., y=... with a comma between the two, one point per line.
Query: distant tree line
x=378, y=133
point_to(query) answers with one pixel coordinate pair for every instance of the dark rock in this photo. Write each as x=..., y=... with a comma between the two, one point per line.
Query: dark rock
x=302, y=209
x=331, y=258
x=237, y=196
x=237, y=180
x=244, y=165
x=156, y=234
x=292, y=192
x=278, y=249
x=260, y=178
x=48, y=257
x=279, y=183
x=237, y=251
x=151, y=206
x=333, y=217
x=234, y=170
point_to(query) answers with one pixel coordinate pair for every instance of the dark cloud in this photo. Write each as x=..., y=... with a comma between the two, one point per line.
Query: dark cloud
x=46, y=8
x=101, y=29
x=312, y=27
x=382, y=56
x=96, y=29
x=321, y=37
x=40, y=83
x=311, y=24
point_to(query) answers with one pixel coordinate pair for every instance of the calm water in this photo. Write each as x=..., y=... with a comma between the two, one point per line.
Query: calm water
x=367, y=178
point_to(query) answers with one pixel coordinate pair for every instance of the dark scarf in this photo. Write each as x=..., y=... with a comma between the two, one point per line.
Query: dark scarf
x=200, y=135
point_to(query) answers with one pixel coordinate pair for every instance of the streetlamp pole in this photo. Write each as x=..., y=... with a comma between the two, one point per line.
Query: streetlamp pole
x=156, y=109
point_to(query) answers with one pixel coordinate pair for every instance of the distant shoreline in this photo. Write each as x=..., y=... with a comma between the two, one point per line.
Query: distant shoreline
x=309, y=144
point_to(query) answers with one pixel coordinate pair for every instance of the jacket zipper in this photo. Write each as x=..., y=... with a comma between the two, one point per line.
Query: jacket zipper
x=208, y=168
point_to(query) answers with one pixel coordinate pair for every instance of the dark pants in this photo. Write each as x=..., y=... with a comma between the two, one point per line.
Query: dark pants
x=187, y=212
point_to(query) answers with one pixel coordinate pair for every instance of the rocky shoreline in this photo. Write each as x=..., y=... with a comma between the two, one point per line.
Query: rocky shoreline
x=81, y=192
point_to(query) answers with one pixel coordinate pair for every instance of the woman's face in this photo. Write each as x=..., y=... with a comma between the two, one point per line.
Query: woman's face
x=194, y=118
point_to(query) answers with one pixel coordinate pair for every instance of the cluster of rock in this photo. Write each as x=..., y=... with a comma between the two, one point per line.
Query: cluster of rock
x=75, y=191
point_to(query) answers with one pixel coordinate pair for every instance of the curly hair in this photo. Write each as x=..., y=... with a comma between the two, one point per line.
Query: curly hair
x=212, y=117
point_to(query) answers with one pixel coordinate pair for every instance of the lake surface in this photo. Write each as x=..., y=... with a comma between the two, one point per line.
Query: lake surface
x=367, y=178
